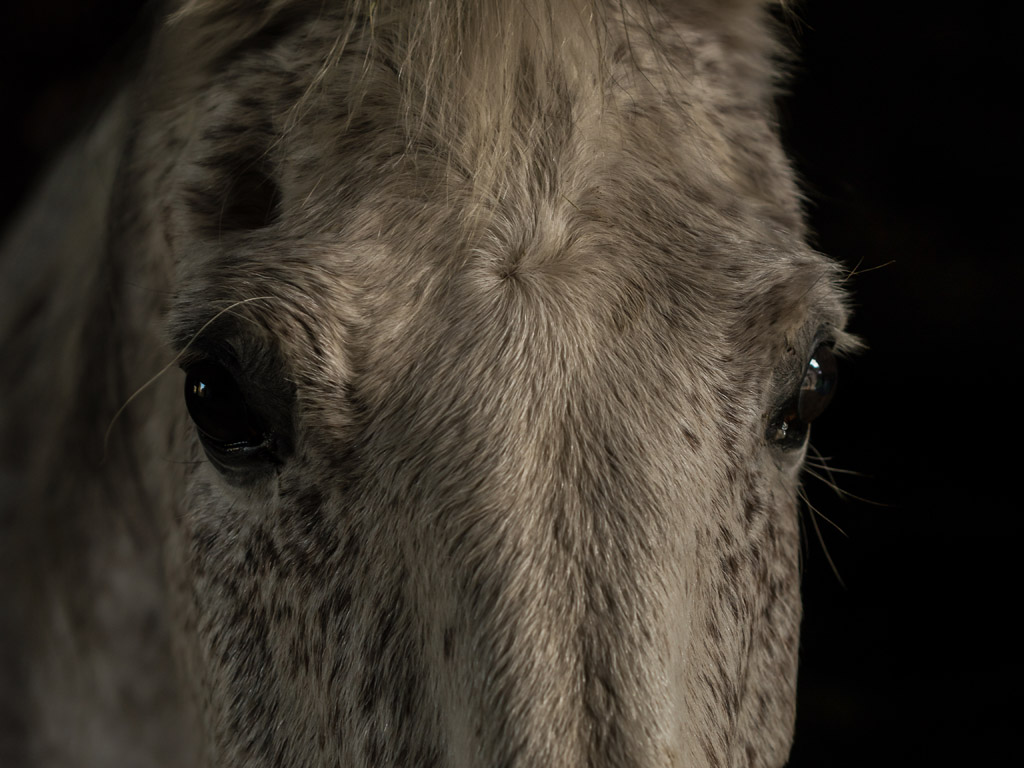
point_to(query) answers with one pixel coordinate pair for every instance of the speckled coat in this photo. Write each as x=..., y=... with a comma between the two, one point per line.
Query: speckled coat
x=504, y=306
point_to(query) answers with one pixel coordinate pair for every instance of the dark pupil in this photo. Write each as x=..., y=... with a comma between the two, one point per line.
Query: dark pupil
x=217, y=407
x=818, y=385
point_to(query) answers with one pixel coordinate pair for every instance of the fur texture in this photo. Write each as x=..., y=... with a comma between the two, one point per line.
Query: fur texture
x=520, y=286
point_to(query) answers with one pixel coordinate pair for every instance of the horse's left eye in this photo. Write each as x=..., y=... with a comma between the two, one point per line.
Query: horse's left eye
x=818, y=386
x=789, y=427
x=231, y=433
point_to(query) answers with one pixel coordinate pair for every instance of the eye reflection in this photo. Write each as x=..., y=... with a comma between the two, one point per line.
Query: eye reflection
x=218, y=408
x=791, y=424
x=818, y=385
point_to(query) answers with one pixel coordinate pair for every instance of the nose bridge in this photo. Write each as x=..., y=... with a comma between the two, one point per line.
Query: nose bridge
x=633, y=611
x=558, y=509
x=570, y=660
x=577, y=609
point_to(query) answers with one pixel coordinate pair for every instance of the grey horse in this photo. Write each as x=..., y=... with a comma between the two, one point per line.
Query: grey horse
x=499, y=340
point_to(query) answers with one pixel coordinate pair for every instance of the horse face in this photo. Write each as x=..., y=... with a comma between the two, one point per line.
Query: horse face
x=496, y=393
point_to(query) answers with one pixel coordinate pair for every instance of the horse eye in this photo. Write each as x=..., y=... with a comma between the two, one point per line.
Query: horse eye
x=229, y=430
x=819, y=384
x=789, y=427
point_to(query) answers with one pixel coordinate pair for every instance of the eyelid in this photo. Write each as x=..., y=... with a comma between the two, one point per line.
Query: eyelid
x=201, y=349
x=826, y=334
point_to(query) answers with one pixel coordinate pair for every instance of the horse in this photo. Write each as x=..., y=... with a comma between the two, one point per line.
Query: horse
x=396, y=383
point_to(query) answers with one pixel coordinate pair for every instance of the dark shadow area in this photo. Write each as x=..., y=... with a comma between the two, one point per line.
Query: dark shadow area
x=61, y=60
x=900, y=124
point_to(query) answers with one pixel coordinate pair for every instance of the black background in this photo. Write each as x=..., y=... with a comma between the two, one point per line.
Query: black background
x=902, y=122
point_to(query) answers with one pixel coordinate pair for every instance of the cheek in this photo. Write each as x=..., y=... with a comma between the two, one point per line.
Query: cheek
x=206, y=559
x=770, y=707
x=751, y=619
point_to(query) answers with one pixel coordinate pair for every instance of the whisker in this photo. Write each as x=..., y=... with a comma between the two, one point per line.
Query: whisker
x=835, y=470
x=825, y=517
x=826, y=481
x=826, y=467
x=856, y=271
x=840, y=492
x=853, y=271
x=162, y=371
x=831, y=482
x=821, y=539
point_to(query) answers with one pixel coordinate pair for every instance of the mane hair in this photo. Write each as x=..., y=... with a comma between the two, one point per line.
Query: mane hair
x=491, y=86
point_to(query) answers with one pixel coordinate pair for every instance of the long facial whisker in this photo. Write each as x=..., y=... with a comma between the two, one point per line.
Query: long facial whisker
x=821, y=539
x=826, y=481
x=822, y=515
x=834, y=470
x=832, y=483
x=174, y=360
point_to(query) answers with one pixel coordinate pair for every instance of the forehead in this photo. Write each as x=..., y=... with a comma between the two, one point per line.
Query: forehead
x=642, y=183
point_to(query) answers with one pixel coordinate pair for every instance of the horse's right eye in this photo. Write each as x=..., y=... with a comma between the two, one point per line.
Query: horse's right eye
x=231, y=432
